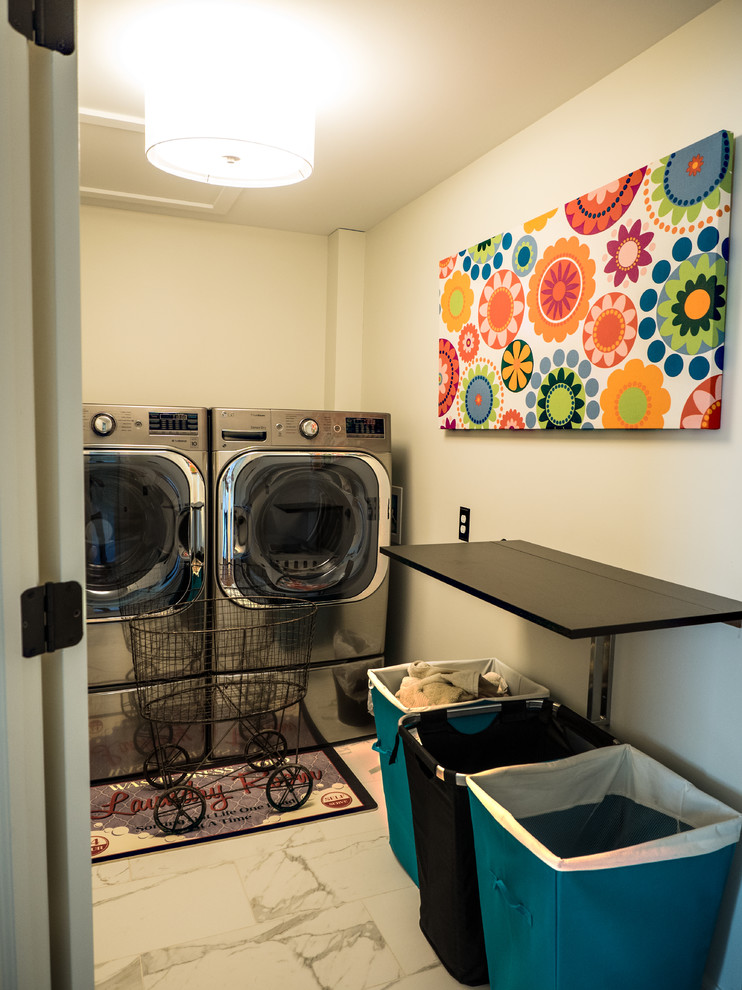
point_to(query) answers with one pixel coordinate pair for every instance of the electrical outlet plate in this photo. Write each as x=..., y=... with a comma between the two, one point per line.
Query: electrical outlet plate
x=464, y=515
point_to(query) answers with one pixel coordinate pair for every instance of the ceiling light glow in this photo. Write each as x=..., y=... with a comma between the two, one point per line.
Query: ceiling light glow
x=228, y=96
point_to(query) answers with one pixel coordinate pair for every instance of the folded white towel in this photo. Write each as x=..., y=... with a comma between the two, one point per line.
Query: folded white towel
x=428, y=685
x=498, y=682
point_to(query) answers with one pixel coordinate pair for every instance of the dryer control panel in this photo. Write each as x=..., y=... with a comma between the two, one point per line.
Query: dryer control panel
x=238, y=429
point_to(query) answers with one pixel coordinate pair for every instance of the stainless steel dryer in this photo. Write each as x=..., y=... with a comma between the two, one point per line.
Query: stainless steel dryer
x=145, y=537
x=301, y=507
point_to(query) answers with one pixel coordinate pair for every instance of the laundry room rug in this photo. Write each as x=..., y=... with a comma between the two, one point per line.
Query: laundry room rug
x=122, y=814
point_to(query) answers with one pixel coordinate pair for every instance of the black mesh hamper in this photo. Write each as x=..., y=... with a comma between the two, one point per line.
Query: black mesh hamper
x=441, y=747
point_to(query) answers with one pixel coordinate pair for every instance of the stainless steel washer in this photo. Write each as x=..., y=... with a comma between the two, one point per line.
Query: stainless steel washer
x=146, y=547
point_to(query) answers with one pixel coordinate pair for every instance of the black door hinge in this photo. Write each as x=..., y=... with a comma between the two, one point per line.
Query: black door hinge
x=51, y=617
x=48, y=23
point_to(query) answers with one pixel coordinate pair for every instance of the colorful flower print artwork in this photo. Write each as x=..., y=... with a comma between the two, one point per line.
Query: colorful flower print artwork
x=606, y=313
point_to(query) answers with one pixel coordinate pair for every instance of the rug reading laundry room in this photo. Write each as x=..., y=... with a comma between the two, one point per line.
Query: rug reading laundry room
x=121, y=813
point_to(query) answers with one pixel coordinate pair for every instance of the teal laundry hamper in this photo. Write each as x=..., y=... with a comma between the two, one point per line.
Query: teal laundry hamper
x=603, y=869
x=384, y=682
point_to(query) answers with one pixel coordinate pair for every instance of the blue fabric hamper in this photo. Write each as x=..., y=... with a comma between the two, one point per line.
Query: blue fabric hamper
x=602, y=869
x=384, y=682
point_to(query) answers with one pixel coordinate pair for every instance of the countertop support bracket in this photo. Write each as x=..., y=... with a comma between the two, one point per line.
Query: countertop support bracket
x=600, y=684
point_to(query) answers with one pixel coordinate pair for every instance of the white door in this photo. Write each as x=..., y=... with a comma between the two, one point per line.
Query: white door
x=45, y=887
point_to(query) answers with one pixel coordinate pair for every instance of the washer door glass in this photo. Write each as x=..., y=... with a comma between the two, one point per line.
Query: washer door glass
x=302, y=524
x=140, y=543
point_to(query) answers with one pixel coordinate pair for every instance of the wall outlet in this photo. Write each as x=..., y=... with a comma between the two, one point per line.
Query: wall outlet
x=464, y=515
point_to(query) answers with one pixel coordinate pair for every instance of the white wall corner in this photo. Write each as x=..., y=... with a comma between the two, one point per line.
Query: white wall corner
x=346, y=257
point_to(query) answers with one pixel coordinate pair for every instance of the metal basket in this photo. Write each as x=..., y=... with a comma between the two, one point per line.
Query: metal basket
x=219, y=660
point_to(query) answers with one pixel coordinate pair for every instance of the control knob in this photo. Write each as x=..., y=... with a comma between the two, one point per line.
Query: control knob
x=103, y=424
x=309, y=428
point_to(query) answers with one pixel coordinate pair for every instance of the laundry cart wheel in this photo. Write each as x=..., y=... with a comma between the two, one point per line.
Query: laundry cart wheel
x=266, y=749
x=288, y=787
x=166, y=767
x=180, y=809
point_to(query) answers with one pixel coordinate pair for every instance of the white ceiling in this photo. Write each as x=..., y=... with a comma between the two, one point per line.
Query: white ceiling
x=423, y=88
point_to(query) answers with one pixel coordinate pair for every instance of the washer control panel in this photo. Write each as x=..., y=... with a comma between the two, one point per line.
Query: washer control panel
x=180, y=427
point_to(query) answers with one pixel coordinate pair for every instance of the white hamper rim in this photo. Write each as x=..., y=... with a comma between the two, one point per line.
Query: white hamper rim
x=485, y=665
x=514, y=792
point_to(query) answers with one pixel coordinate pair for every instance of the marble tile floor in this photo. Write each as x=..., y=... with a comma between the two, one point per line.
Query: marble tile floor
x=321, y=906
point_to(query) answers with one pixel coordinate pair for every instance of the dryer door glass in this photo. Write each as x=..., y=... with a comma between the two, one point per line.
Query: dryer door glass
x=302, y=524
x=140, y=535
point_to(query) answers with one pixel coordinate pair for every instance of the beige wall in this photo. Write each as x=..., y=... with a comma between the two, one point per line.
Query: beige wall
x=665, y=503
x=200, y=313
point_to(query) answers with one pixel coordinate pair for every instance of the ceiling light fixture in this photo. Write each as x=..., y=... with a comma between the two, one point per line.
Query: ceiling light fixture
x=228, y=100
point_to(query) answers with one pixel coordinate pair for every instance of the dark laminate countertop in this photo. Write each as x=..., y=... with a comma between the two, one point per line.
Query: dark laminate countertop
x=570, y=595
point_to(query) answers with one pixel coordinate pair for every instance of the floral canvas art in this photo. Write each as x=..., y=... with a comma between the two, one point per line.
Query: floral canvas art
x=605, y=313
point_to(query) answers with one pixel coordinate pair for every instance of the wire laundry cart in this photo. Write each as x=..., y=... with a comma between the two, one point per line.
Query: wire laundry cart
x=217, y=662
